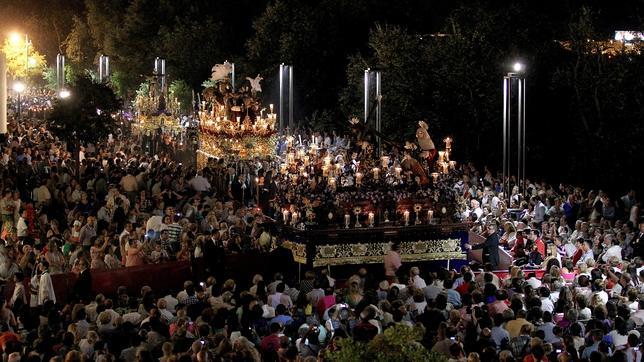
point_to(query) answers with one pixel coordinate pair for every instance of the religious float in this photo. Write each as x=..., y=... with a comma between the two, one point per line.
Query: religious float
x=157, y=116
x=233, y=123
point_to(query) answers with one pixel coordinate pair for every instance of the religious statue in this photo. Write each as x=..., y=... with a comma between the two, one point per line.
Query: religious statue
x=428, y=150
x=255, y=85
x=221, y=71
x=411, y=164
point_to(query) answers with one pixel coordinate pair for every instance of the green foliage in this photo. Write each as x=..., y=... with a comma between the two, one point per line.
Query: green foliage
x=179, y=89
x=86, y=116
x=209, y=83
x=71, y=73
x=189, y=54
x=321, y=120
x=397, y=343
x=23, y=61
x=79, y=47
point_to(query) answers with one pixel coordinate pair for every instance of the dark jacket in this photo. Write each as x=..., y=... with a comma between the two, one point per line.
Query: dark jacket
x=490, y=249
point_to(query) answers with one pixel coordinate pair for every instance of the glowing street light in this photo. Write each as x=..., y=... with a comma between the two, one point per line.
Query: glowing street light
x=15, y=38
x=19, y=87
x=518, y=67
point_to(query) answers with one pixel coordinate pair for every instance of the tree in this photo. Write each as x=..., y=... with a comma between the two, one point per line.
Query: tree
x=604, y=95
x=79, y=46
x=86, y=116
x=179, y=89
x=23, y=61
x=191, y=48
x=398, y=343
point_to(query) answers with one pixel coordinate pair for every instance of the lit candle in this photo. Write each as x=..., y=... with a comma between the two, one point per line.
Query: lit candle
x=445, y=167
x=430, y=215
x=285, y=214
x=398, y=171
x=452, y=165
x=385, y=161
x=376, y=172
x=295, y=217
x=371, y=219
x=271, y=107
x=238, y=121
x=327, y=160
x=441, y=155
x=332, y=183
x=448, y=143
x=358, y=178
x=406, y=217
x=347, y=220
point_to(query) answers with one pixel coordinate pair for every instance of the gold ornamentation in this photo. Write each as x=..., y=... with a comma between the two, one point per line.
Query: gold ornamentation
x=371, y=253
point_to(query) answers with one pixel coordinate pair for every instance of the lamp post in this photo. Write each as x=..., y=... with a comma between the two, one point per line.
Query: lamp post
x=514, y=82
x=377, y=75
x=19, y=87
x=286, y=76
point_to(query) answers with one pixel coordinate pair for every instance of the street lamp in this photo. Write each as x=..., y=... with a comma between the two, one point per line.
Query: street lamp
x=518, y=67
x=15, y=38
x=514, y=83
x=19, y=87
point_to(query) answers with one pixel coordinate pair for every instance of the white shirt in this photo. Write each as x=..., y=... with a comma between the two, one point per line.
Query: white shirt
x=21, y=228
x=539, y=212
x=547, y=305
x=419, y=282
x=586, y=256
x=534, y=282
x=199, y=184
x=46, y=289
x=614, y=250
x=570, y=249
x=603, y=296
x=633, y=355
x=170, y=302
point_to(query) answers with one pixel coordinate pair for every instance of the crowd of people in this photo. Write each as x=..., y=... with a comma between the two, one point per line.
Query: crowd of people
x=120, y=207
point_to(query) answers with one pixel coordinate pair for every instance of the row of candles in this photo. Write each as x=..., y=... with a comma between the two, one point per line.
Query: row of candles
x=151, y=104
x=220, y=120
x=294, y=217
x=331, y=171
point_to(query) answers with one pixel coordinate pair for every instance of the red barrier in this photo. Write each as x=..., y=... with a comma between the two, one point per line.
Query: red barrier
x=170, y=275
x=157, y=276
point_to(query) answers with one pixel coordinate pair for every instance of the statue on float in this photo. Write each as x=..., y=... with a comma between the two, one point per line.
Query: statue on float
x=427, y=147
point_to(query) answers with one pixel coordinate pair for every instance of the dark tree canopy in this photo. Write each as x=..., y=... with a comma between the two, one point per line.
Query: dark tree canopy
x=583, y=108
x=87, y=114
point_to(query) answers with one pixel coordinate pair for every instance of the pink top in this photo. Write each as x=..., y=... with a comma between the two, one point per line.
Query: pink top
x=568, y=276
x=392, y=263
x=134, y=257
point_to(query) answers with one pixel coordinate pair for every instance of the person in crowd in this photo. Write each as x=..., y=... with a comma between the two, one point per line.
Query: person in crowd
x=581, y=302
